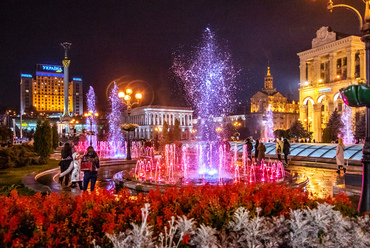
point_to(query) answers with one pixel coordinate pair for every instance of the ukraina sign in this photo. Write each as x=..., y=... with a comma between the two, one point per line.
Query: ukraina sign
x=50, y=68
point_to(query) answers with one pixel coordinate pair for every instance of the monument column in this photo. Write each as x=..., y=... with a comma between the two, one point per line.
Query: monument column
x=66, y=62
x=362, y=65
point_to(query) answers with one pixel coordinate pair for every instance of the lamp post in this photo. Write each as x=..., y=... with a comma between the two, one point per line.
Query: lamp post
x=92, y=115
x=364, y=204
x=126, y=99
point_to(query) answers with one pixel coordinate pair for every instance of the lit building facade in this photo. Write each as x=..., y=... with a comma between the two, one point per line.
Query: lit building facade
x=46, y=92
x=151, y=119
x=285, y=112
x=334, y=61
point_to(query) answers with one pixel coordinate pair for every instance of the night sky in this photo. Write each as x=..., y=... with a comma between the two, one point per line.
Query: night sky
x=135, y=40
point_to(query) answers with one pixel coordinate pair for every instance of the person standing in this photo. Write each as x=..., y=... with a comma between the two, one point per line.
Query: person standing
x=279, y=148
x=286, y=150
x=249, y=149
x=261, y=151
x=76, y=173
x=256, y=150
x=91, y=175
x=65, y=162
x=340, y=155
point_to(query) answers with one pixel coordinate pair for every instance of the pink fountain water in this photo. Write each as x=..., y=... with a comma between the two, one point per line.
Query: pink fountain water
x=205, y=162
x=107, y=149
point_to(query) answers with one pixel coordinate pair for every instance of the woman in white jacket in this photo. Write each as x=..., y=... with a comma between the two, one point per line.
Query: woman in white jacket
x=75, y=167
x=340, y=155
x=76, y=173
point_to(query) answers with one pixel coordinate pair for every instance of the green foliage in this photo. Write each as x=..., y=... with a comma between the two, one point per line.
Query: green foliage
x=297, y=130
x=17, y=156
x=165, y=135
x=326, y=135
x=177, y=131
x=282, y=133
x=43, y=140
x=55, y=136
x=360, y=131
x=5, y=134
x=334, y=125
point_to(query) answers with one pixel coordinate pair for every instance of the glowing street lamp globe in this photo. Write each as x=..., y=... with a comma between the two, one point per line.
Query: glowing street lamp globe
x=139, y=96
x=129, y=91
x=121, y=94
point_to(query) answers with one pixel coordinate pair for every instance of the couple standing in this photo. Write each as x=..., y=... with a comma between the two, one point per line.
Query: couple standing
x=71, y=161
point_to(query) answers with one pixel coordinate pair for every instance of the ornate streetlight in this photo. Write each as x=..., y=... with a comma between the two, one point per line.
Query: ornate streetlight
x=126, y=99
x=364, y=204
x=92, y=115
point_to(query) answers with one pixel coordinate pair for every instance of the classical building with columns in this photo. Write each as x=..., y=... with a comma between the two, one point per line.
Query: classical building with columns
x=151, y=118
x=334, y=61
x=284, y=111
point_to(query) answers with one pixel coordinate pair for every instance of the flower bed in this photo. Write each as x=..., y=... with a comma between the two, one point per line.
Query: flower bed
x=61, y=220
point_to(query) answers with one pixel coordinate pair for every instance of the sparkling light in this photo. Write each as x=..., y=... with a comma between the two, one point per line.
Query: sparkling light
x=209, y=81
x=346, y=130
x=91, y=107
x=115, y=138
x=269, y=127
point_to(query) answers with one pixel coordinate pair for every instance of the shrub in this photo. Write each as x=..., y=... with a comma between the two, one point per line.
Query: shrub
x=17, y=156
x=61, y=220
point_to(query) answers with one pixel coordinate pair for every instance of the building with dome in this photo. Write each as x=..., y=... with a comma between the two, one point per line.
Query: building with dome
x=285, y=111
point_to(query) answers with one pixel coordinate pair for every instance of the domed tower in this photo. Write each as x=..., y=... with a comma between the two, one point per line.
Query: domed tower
x=269, y=83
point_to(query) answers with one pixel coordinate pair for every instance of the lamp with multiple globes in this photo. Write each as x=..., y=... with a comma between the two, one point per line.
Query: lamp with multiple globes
x=126, y=98
x=91, y=115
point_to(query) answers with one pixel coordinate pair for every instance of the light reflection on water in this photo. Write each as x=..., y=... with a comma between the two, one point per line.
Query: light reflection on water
x=321, y=180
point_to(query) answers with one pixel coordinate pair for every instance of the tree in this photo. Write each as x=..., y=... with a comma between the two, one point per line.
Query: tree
x=177, y=131
x=165, y=138
x=282, y=133
x=297, y=130
x=334, y=125
x=326, y=135
x=43, y=140
x=55, y=136
x=360, y=128
x=5, y=134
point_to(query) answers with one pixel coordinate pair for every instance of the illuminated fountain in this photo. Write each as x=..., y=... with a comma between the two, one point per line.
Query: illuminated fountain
x=209, y=81
x=269, y=125
x=91, y=106
x=346, y=130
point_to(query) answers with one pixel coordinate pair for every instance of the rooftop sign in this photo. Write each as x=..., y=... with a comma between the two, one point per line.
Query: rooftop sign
x=50, y=68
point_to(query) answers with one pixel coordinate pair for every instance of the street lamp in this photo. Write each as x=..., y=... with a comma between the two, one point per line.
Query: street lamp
x=126, y=98
x=364, y=204
x=92, y=115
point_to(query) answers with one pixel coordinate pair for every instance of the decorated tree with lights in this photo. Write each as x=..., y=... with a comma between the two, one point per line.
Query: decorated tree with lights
x=269, y=127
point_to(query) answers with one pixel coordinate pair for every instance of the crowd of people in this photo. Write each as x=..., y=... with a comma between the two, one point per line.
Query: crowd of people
x=82, y=168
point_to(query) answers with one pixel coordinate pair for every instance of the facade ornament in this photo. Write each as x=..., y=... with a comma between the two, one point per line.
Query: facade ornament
x=323, y=36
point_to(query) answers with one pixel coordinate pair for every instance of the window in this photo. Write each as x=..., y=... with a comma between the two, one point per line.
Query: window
x=357, y=65
x=340, y=107
x=342, y=68
x=325, y=72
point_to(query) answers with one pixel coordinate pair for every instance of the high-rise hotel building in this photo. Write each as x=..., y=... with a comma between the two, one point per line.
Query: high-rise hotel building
x=46, y=92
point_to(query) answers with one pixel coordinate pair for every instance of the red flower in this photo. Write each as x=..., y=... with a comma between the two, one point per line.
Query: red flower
x=185, y=239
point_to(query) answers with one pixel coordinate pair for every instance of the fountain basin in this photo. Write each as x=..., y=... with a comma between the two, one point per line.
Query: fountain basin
x=124, y=179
